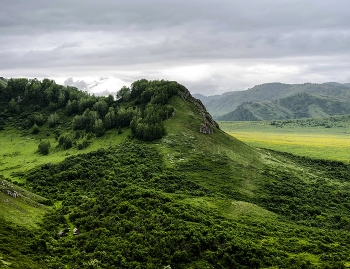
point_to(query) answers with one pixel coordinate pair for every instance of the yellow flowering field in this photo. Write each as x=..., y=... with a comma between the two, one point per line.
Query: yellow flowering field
x=313, y=142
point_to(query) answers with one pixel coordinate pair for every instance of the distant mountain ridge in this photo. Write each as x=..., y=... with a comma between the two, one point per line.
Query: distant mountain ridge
x=301, y=105
x=336, y=93
x=206, y=99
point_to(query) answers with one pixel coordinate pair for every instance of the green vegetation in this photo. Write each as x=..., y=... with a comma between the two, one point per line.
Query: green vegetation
x=326, y=138
x=44, y=147
x=326, y=99
x=301, y=105
x=26, y=210
x=67, y=118
x=151, y=191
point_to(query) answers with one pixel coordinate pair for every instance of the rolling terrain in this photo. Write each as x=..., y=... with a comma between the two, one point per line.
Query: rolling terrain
x=277, y=101
x=294, y=107
x=147, y=189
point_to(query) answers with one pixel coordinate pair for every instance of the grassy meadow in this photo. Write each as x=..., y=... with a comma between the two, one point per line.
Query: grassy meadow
x=315, y=142
x=19, y=151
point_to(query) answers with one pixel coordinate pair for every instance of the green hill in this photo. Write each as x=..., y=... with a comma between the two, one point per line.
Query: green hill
x=301, y=105
x=274, y=91
x=149, y=190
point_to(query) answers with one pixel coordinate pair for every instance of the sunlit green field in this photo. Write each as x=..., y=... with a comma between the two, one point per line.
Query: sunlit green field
x=316, y=142
x=19, y=152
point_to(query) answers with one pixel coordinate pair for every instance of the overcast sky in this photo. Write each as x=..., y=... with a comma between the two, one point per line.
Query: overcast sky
x=210, y=46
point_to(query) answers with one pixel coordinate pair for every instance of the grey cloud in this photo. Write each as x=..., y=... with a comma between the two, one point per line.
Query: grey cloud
x=59, y=37
x=229, y=15
x=80, y=84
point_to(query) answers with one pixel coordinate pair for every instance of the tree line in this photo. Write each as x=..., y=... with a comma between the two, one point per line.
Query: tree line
x=142, y=107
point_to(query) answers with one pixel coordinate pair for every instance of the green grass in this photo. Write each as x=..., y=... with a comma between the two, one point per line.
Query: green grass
x=183, y=129
x=19, y=152
x=230, y=208
x=316, y=142
x=26, y=210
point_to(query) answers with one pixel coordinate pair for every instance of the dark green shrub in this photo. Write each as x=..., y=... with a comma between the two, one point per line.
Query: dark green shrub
x=66, y=141
x=35, y=129
x=44, y=147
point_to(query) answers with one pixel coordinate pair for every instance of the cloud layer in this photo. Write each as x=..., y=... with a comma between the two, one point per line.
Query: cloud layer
x=210, y=46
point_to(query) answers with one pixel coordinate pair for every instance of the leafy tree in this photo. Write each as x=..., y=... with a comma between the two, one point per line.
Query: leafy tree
x=72, y=107
x=84, y=143
x=98, y=127
x=78, y=122
x=62, y=97
x=137, y=88
x=39, y=119
x=150, y=126
x=123, y=94
x=44, y=147
x=65, y=140
x=17, y=85
x=89, y=118
x=110, y=119
x=53, y=120
x=109, y=100
x=146, y=96
x=13, y=106
x=86, y=102
x=101, y=108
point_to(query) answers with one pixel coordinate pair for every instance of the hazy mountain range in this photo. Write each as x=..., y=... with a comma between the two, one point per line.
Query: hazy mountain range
x=273, y=101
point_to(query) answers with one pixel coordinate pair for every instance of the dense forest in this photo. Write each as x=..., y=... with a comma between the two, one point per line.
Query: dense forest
x=166, y=196
x=143, y=107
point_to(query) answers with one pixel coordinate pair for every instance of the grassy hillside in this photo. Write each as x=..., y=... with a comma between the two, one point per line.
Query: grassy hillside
x=182, y=200
x=273, y=91
x=293, y=107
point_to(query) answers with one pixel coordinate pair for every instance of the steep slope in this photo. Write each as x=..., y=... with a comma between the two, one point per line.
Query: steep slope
x=274, y=91
x=193, y=198
x=293, y=107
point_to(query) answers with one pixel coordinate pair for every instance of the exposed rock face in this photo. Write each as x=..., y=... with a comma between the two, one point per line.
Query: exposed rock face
x=208, y=122
x=207, y=118
x=4, y=188
x=205, y=129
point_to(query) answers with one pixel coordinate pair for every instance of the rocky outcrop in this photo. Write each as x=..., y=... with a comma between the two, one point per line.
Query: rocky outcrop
x=209, y=123
x=4, y=187
x=206, y=129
